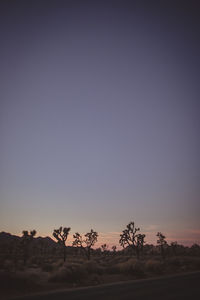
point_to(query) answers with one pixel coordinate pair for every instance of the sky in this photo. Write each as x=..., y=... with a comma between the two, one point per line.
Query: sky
x=99, y=117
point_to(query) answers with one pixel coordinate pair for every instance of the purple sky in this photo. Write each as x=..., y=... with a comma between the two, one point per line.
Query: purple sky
x=99, y=117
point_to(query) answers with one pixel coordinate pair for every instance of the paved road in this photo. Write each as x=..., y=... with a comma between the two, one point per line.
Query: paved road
x=175, y=287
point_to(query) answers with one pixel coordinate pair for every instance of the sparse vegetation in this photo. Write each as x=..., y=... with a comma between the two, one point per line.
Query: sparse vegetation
x=46, y=268
x=114, y=249
x=61, y=235
x=162, y=243
x=130, y=237
x=26, y=241
x=87, y=243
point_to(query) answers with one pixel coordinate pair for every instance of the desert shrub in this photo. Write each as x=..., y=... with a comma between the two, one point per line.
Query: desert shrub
x=8, y=265
x=119, y=259
x=196, y=263
x=20, y=266
x=132, y=267
x=189, y=263
x=112, y=269
x=182, y=263
x=174, y=263
x=154, y=266
x=5, y=279
x=47, y=267
x=32, y=275
x=18, y=280
x=95, y=279
x=59, y=263
x=93, y=268
x=35, y=260
x=69, y=272
x=107, y=259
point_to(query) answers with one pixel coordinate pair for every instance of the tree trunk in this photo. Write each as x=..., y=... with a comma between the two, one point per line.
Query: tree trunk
x=64, y=253
x=88, y=253
x=137, y=252
x=25, y=256
x=162, y=252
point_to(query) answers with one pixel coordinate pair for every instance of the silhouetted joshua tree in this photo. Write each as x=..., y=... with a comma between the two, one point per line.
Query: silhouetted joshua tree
x=140, y=243
x=162, y=243
x=174, y=246
x=114, y=248
x=104, y=248
x=25, y=243
x=89, y=241
x=61, y=235
x=131, y=239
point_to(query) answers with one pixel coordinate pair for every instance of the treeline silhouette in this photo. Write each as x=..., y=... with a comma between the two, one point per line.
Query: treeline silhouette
x=131, y=240
x=29, y=263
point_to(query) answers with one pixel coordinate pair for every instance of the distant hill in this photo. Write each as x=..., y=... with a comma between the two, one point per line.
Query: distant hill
x=7, y=241
x=7, y=238
x=46, y=241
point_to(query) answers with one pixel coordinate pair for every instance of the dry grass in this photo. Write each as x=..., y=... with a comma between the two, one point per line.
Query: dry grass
x=77, y=271
x=154, y=266
x=69, y=272
x=132, y=267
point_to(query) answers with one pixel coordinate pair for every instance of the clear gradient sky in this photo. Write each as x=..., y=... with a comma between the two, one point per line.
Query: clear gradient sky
x=99, y=117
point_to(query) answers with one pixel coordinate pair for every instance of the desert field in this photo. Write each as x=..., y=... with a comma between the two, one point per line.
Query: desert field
x=45, y=269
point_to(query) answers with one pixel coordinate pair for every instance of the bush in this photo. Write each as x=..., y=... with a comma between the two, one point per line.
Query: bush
x=132, y=267
x=69, y=272
x=8, y=265
x=19, y=280
x=93, y=268
x=112, y=269
x=189, y=263
x=47, y=267
x=154, y=266
x=174, y=262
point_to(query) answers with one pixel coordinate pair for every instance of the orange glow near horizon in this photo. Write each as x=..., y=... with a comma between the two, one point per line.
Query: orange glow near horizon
x=186, y=238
